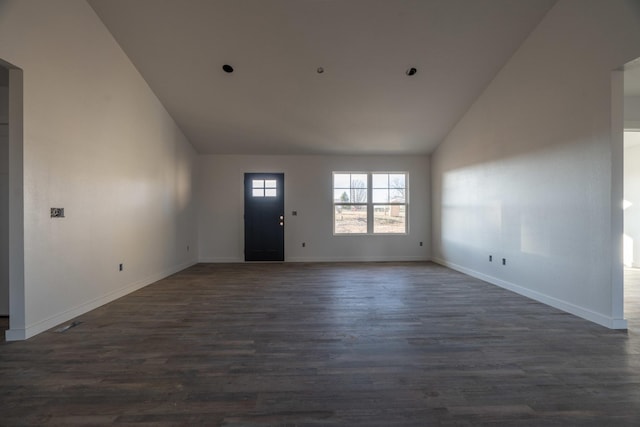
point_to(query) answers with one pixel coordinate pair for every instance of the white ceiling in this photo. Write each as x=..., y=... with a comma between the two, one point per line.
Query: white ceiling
x=276, y=103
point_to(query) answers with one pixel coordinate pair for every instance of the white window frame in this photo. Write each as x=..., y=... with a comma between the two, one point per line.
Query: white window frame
x=370, y=203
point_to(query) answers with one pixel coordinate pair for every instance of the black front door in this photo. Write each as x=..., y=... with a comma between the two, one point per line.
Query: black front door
x=264, y=217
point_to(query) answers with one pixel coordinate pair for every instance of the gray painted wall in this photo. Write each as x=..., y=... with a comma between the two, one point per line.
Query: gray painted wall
x=527, y=174
x=98, y=143
x=308, y=190
x=632, y=111
x=632, y=196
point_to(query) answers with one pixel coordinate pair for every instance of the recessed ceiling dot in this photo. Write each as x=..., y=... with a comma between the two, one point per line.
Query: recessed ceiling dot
x=411, y=71
x=320, y=70
x=227, y=68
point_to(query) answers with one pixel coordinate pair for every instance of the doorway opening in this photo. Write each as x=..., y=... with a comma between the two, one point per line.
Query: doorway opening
x=4, y=198
x=631, y=196
x=12, y=293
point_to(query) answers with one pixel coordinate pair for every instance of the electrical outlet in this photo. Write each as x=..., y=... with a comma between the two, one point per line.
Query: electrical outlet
x=304, y=245
x=420, y=243
x=504, y=261
x=490, y=258
x=294, y=213
x=121, y=267
x=187, y=248
x=57, y=212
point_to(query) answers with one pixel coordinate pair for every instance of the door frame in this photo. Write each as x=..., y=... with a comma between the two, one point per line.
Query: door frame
x=17, y=296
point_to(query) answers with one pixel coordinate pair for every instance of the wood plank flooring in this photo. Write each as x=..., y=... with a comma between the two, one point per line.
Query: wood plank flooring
x=371, y=344
x=4, y=325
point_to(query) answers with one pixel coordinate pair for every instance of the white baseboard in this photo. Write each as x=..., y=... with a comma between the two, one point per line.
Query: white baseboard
x=585, y=313
x=221, y=260
x=359, y=259
x=15, y=334
x=324, y=259
x=50, y=322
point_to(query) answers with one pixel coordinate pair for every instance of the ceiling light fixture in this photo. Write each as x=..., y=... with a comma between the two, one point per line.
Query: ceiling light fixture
x=411, y=71
x=227, y=68
x=320, y=70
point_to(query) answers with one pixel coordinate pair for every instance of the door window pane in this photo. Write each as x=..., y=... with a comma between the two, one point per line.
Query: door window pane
x=264, y=188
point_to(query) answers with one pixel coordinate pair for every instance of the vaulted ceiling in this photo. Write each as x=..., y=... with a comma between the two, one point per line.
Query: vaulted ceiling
x=276, y=101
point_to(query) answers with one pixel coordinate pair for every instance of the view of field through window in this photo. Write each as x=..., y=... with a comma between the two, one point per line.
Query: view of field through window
x=370, y=203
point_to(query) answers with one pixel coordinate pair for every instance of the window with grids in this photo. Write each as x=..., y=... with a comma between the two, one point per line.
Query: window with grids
x=264, y=188
x=370, y=202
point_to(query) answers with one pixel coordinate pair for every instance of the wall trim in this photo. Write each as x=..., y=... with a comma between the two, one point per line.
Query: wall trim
x=585, y=313
x=384, y=258
x=220, y=260
x=15, y=334
x=57, y=319
x=223, y=260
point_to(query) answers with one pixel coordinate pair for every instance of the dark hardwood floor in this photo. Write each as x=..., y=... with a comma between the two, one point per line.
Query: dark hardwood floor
x=372, y=344
x=632, y=298
x=4, y=325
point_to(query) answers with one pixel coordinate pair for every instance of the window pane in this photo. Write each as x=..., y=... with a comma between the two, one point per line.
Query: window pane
x=380, y=195
x=350, y=219
x=397, y=196
x=258, y=183
x=258, y=192
x=359, y=180
x=341, y=195
x=270, y=192
x=359, y=195
x=397, y=180
x=270, y=183
x=341, y=180
x=389, y=219
x=380, y=180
